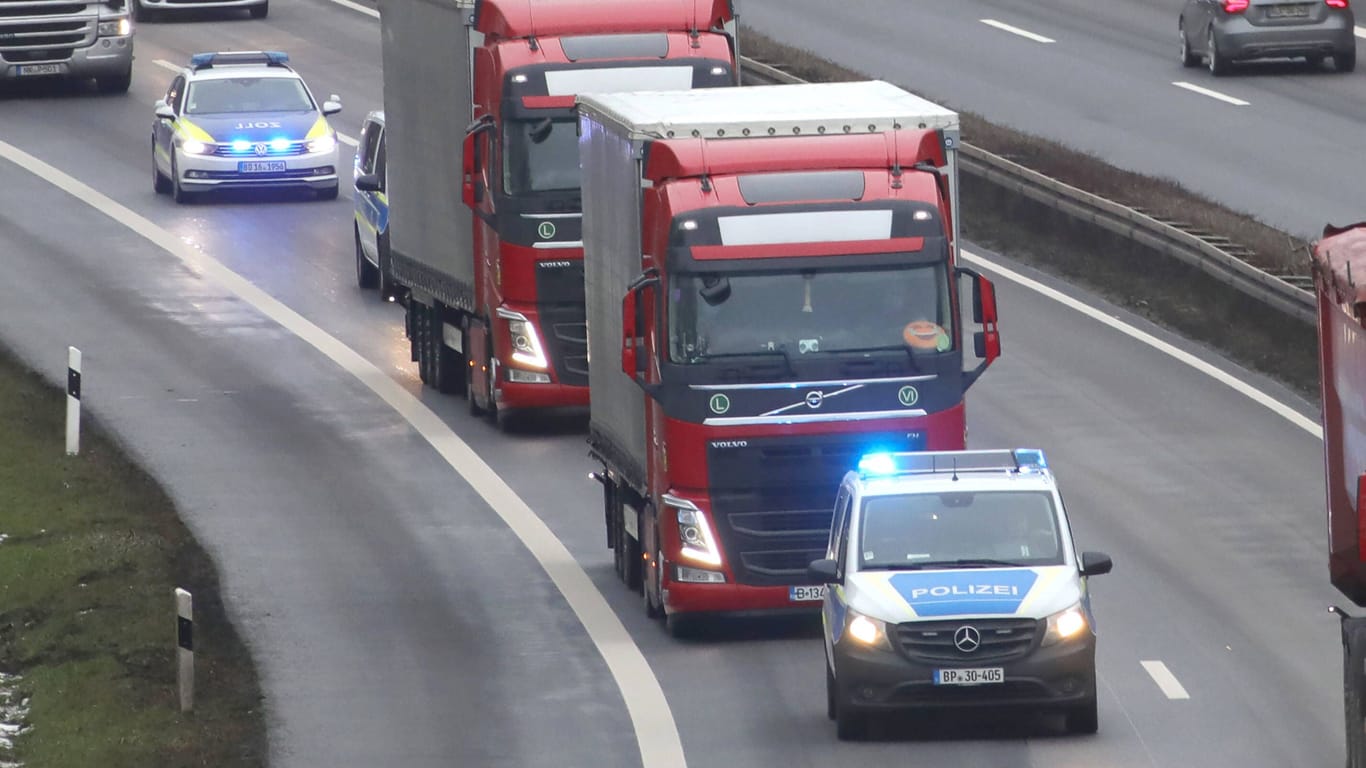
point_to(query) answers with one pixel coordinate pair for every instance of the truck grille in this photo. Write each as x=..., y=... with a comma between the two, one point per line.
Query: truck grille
x=1002, y=640
x=48, y=30
x=773, y=497
x=559, y=288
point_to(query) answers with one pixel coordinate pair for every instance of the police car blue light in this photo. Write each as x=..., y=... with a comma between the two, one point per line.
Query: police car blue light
x=1030, y=457
x=877, y=464
x=241, y=145
x=279, y=145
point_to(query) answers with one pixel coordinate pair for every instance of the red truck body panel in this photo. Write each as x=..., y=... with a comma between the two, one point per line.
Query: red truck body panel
x=543, y=18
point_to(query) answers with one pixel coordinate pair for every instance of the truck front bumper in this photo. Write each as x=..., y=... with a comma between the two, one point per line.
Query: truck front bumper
x=107, y=57
x=733, y=600
x=513, y=395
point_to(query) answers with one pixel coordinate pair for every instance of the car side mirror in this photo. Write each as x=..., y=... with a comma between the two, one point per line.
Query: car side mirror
x=825, y=570
x=164, y=111
x=368, y=182
x=332, y=106
x=1095, y=563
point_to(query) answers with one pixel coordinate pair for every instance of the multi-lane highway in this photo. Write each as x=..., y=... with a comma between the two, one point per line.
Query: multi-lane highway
x=402, y=602
x=1274, y=139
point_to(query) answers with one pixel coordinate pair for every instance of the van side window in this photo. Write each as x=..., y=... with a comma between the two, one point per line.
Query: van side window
x=369, y=141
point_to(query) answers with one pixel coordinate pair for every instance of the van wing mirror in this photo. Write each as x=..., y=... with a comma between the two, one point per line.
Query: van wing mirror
x=825, y=570
x=986, y=340
x=368, y=182
x=1095, y=563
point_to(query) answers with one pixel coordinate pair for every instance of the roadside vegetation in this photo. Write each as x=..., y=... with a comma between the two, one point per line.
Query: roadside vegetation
x=91, y=550
x=1174, y=295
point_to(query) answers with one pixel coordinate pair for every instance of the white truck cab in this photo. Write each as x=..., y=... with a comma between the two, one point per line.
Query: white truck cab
x=953, y=581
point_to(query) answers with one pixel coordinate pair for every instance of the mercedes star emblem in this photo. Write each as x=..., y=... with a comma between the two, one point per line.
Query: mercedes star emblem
x=967, y=639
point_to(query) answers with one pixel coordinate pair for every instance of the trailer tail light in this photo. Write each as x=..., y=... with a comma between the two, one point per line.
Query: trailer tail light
x=1235, y=6
x=1337, y=3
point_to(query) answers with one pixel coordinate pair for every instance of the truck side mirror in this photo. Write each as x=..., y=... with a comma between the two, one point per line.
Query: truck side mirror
x=630, y=360
x=472, y=187
x=825, y=570
x=987, y=341
x=1095, y=563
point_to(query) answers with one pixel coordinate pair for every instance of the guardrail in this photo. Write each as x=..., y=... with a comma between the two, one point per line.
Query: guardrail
x=1198, y=250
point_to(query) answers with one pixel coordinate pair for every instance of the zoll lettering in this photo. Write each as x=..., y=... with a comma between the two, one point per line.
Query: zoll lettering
x=966, y=590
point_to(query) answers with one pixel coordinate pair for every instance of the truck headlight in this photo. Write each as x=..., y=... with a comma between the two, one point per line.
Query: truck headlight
x=867, y=631
x=116, y=28
x=699, y=545
x=1065, y=625
x=196, y=147
x=323, y=144
x=526, y=344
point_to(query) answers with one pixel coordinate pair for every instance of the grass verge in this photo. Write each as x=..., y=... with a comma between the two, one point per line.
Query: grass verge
x=94, y=549
x=1162, y=290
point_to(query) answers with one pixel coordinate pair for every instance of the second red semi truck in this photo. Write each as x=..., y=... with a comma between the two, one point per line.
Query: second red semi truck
x=773, y=291
x=479, y=108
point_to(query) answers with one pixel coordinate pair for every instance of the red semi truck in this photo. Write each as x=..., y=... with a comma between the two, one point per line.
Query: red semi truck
x=479, y=106
x=1339, y=264
x=773, y=290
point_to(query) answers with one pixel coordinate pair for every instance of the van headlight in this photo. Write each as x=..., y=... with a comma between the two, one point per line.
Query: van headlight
x=526, y=344
x=323, y=144
x=116, y=28
x=699, y=545
x=1066, y=625
x=867, y=631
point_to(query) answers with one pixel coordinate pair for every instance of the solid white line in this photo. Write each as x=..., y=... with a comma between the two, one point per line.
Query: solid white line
x=164, y=64
x=1232, y=382
x=343, y=138
x=1360, y=31
x=1193, y=88
x=371, y=12
x=653, y=721
x=1017, y=31
x=1165, y=680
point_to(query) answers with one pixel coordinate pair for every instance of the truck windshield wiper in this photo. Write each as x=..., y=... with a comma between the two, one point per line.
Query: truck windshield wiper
x=776, y=352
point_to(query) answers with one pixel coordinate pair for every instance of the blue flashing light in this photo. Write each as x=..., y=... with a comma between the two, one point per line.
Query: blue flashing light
x=279, y=145
x=1030, y=458
x=269, y=58
x=877, y=464
x=201, y=60
x=241, y=145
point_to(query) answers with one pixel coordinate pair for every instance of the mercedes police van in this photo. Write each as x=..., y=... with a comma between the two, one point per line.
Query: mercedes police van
x=953, y=581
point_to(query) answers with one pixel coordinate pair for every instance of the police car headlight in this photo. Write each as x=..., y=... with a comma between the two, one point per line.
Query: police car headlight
x=196, y=147
x=323, y=144
x=694, y=531
x=526, y=344
x=867, y=631
x=116, y=28
x=1065, y=625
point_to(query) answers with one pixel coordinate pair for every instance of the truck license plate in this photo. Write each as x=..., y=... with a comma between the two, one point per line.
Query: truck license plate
x=261, y=166
x=807, y=594
x=40, y=69
x=980, y=676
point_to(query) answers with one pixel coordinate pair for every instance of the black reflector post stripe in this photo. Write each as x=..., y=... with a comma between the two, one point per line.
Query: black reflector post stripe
x=73, y=401
x=184, y=630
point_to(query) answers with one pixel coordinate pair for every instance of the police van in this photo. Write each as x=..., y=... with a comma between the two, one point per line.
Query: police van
x=953, y=581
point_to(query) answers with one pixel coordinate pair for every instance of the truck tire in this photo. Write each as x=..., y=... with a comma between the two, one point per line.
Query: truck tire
x=367, y=274
x=422, y=319
x=650, y=597
x=1354, y=689
x=115, y=84
x=445, y=371
x=470, y=383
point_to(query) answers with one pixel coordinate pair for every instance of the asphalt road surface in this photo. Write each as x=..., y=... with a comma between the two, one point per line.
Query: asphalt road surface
x=398, y=620
x=1102, y=78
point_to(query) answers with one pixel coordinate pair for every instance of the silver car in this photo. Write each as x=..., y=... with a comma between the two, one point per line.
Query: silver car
x=1221, y=32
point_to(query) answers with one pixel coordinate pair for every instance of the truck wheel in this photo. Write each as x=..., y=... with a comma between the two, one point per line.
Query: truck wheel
x=423, y=338
x=654, y=605
x=1354, y=689
x=445, y=363
x=850, y=723
x=829, y=692
x=115, y=84
x=475, y=409
x=367, y=274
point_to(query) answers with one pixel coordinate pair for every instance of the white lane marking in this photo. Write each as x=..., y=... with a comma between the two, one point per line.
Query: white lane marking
x=1026, y=34
x=1232, y=382
x=1360, y=31
x=1193, y=88
x=164, y=64
x=371, y=12
x=655, y=727
x=347, y=140
x=1165, y=680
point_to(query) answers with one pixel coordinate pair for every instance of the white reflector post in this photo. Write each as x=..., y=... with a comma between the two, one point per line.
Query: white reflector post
x=73, y=401
x=184, y=630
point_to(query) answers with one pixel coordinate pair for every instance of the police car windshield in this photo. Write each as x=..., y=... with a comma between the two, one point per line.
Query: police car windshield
x=541, y=155
x=961, y=529
x=247, y=94
x=811, y=312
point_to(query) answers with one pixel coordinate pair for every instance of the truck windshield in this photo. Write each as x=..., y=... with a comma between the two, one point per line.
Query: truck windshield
x=540, y=155
x=961, y=529
x=247, y=94
x=811, y=312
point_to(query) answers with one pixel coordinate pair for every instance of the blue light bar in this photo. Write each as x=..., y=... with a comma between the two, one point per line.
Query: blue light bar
x=1030, y=458
x=877, y=465
x=209, y=60
x=888, y=463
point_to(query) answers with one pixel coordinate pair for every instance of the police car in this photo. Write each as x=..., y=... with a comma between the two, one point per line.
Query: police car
x=953, y=582
x=371, y=179
x=242, y=118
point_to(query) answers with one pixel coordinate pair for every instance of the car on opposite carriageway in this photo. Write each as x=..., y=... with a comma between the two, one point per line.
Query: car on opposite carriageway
x=953, y=582
x=1221, y=32
x=242, y=119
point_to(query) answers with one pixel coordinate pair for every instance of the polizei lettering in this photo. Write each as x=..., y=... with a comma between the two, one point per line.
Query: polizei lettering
x=966, y=590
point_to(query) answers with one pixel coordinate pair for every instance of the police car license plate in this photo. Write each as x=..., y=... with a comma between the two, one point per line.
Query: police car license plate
x=41, y=69
x=981, y=676
x=261, y=166
x=806, y=594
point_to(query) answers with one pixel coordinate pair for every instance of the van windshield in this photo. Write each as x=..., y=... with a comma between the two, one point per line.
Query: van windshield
x=959, y=529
